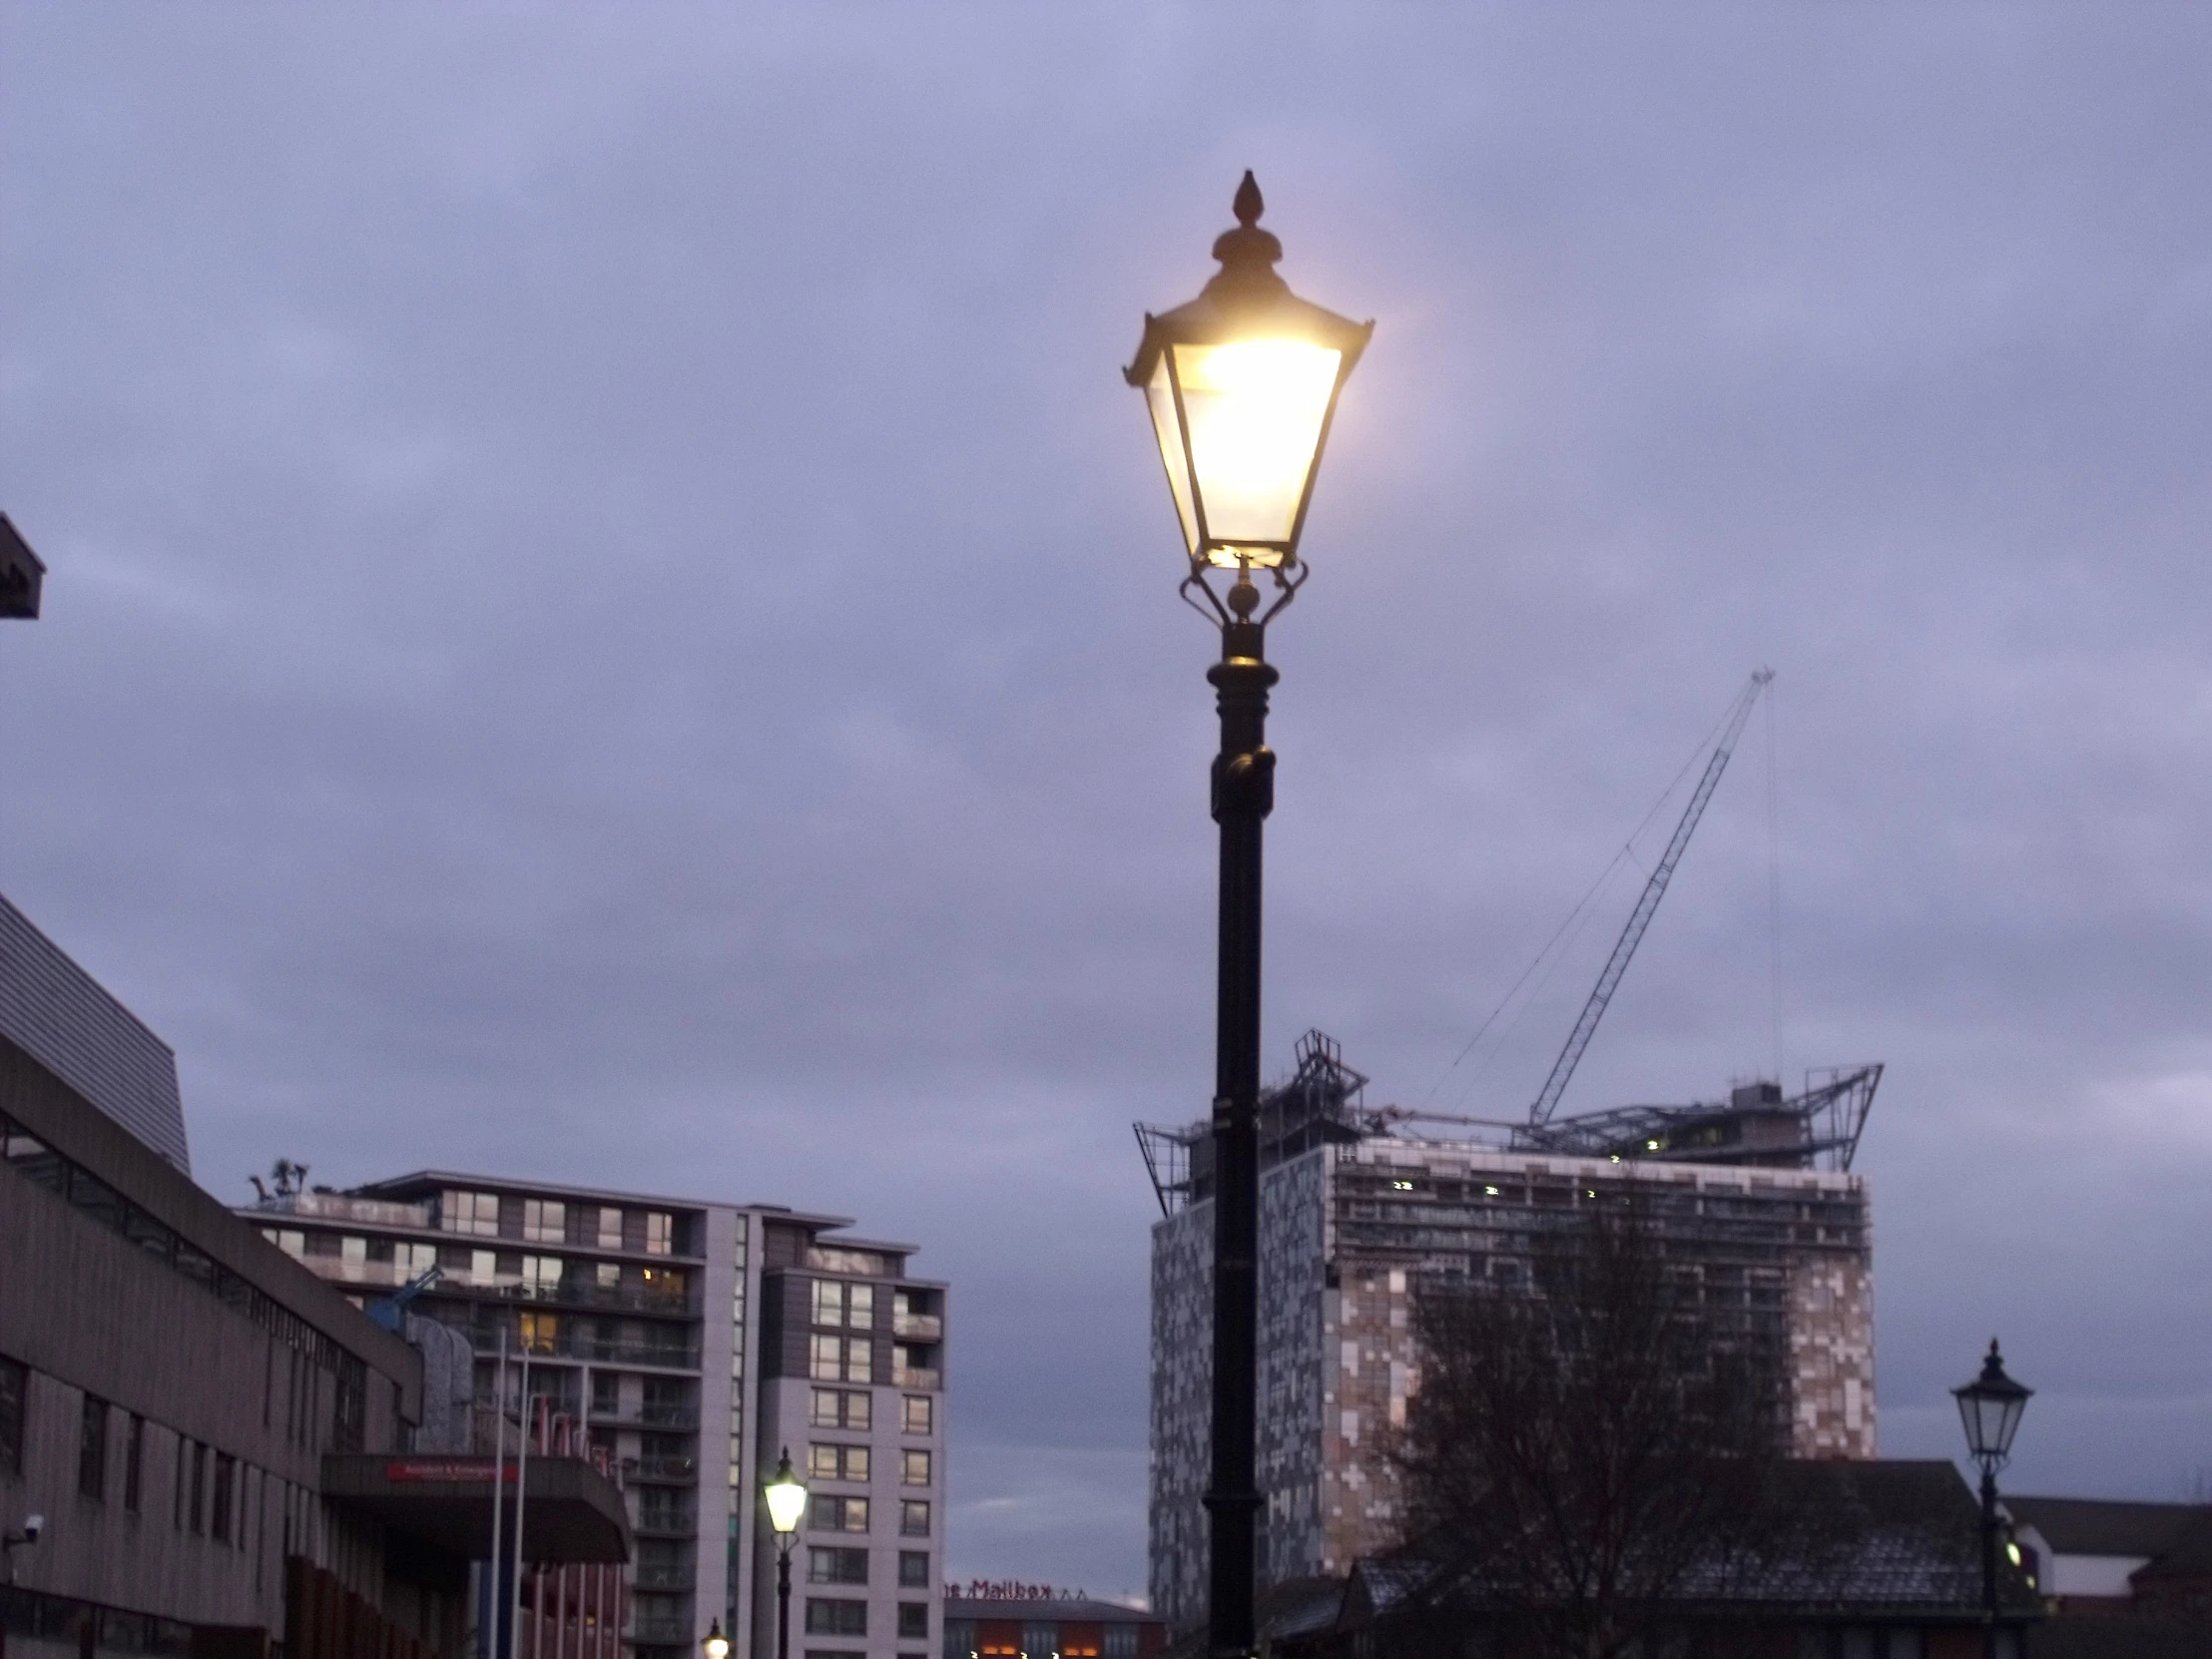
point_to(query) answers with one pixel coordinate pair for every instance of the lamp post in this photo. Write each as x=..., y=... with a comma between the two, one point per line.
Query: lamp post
x=1242, y=384
x=715, y=1645
x=786, y=1503
x=1991, y=1407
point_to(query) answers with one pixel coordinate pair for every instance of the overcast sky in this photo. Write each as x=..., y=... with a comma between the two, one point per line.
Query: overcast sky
x=611, y=619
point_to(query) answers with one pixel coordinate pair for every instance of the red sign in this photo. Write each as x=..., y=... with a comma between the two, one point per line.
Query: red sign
x=446, y=1468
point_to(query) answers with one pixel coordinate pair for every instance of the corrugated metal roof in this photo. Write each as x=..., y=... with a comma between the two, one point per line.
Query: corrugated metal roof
x=66, y=1020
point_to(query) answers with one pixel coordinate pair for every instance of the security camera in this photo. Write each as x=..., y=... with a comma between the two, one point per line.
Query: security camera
x=33, y=1525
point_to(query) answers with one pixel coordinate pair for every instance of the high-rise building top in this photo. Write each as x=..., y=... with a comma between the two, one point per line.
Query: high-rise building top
x=63, y=1019
x=1354, y=1220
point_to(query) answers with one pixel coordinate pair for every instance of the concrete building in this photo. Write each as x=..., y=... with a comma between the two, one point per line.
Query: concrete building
x=1353, y=1219
x=983, y=1625
x=691, y=1342
x=221, y=1449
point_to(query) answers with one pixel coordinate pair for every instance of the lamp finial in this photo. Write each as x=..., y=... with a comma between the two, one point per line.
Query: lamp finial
x=1249, y=206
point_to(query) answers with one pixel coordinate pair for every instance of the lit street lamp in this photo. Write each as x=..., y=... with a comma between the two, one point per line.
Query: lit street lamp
x=1991, y=1407
x=715, y=1645
x=1242, y=384
x=787, y=1503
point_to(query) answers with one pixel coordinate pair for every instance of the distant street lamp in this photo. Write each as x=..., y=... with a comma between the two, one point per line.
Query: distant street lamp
x=1241, y=382
x=1991, y=1407
x=715, y=1645
x=787, y=1503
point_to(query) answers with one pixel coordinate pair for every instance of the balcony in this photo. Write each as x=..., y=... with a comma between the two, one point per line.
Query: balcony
x=911, y=1376
x=649, y=1416
x=580, y=1345
x=679, y=1470
x=662, y=1630
x=367, y=1212
x=921, y=1327
x=661, y=1578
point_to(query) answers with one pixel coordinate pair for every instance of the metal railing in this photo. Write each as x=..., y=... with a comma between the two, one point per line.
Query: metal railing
x=926, y=1328
x=908, y=1376
x=681, y=1470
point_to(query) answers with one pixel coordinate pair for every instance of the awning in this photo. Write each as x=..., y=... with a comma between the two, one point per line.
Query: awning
x=571, y=1513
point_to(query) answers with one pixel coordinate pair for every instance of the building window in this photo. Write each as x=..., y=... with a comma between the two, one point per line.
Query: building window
x=541, y=1275
x=289, y=1240
x=197, y=1501
x=1121, y=1641
x=483, y=1267
x=660, y=1234
x=914, y=1621
x=839, y=1514
x=473, y=1213
x=837, y=1566
x=838, y=1409
x=92, y=1449
x=606, y=1227
x=836, y=1463
x=913, y=1468
x=540, y=1331
x=841, y=1359
x=913, y=1518
x=545, y=1221
x=411, y=1261
x=920, y=1414
x=825, y=1618
x=219, y=1509
x=14, y=1387
x=134, y=1461
x=1041, y=1638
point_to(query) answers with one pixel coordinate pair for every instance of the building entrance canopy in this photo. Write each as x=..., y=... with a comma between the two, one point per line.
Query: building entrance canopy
x=571, y=1513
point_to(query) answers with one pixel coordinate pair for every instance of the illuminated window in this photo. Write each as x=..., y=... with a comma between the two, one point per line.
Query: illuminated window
x=920, y=1414
x=913, y=1468
x=476, y=1213
x=660, y=1234
x=540, y=1333
x=544, y=1221
x=913, y=1518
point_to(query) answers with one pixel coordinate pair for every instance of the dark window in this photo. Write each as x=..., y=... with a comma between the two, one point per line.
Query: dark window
x=839, y=1514
x=1121, y=1641
x=92, y=1449
x=177, y=1488
x=219, y=1509
x=835, y=1618
x=837, y=1566
x=199, y=1498
x=913, y=1518
x=913, y=1620
x=913, y=1570
x=14, y=1387
x=134, y=1461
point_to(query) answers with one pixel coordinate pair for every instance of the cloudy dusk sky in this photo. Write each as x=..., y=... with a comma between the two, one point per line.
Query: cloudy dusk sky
x=611, y=619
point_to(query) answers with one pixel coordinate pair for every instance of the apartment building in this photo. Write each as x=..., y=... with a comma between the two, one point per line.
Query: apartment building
x=690, y=1344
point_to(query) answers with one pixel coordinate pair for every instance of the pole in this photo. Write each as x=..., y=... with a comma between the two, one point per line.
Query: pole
x=1243, y=796
x=1988, y=1561
x=783, y=1596
x=522, y=1481
x=496, y=1644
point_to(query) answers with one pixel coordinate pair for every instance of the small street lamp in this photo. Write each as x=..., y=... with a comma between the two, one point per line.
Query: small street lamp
x=715, y=1645
x=787, y=1503
x=1991, y=1407
x=1242, y=384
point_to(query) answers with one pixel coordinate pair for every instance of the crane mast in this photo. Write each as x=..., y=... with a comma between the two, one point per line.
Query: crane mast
x=1562, y=1069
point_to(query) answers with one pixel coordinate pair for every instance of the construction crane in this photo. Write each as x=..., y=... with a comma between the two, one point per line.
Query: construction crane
x=1632, y=935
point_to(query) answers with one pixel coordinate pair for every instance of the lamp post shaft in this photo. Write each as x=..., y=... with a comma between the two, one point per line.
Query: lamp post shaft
x=784, y=1600
x=1243, y=796
x=1988, y=1561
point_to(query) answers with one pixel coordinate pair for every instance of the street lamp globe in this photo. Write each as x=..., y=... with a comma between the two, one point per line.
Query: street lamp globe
x=1991, y=1407
x=787, y=1498
x=715, y=1645
x=1242, y=384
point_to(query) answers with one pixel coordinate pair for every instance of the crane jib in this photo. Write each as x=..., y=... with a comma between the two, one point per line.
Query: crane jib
x=1616, y=964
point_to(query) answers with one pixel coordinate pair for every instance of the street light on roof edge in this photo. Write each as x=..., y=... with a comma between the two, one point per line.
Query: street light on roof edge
x=1241, y=385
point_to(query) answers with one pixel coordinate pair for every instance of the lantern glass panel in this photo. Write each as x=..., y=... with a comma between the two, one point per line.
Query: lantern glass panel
x=1252, y=412
x=786, y=1501
x=1168, y=427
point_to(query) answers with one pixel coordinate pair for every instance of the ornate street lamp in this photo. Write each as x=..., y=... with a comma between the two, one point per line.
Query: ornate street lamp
x=1991, y=1407
x=1243, y=384
x=787, y=1503
x=715, y=1645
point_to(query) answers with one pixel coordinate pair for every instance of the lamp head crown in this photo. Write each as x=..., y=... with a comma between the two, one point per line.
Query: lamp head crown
x=1248, y=254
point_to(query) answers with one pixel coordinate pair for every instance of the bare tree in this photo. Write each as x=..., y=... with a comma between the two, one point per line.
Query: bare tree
x=1590, y=1441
